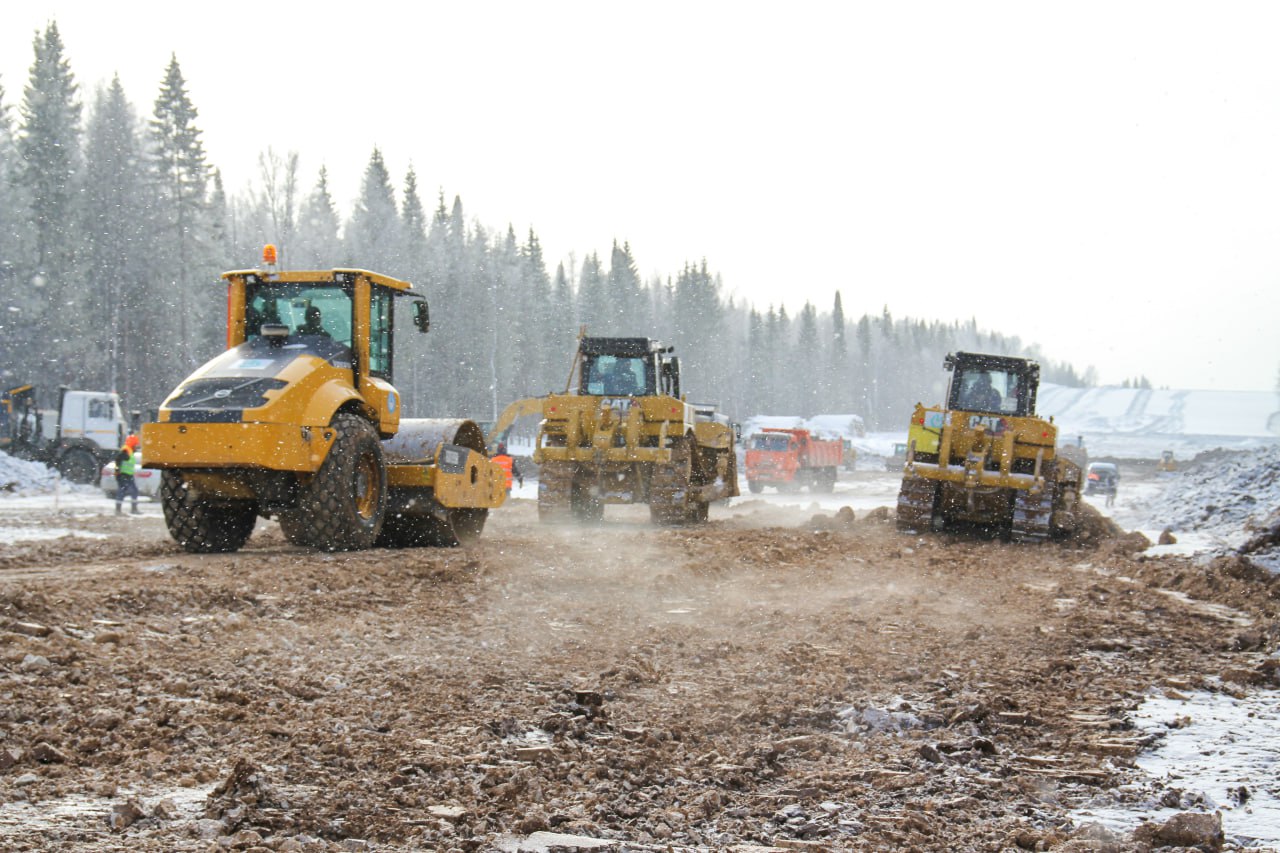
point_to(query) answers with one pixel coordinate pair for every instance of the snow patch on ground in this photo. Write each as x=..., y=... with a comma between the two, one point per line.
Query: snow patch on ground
x=27, y=487
x=1216, y=753
x=12, y=535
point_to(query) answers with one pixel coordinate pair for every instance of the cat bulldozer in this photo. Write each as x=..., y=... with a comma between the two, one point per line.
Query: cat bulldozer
x=986, y=458
x=299, y=420
x=626, y=435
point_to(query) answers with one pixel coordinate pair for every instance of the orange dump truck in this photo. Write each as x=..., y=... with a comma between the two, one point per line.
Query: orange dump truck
x=790, y=458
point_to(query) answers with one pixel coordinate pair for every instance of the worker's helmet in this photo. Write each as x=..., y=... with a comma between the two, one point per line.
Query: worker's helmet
x=502, y=448
x=131, y=442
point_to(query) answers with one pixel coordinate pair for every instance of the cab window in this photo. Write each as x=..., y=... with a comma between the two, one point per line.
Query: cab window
x=775, y=443
x=616, y=376
x=323, y=310
x=101, y=409
x=380, y=326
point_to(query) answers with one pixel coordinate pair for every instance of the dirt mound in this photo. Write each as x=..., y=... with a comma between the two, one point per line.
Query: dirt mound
x=1093, y=529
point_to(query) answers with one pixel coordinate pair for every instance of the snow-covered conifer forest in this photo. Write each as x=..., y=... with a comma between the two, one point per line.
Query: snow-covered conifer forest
x=115, y=226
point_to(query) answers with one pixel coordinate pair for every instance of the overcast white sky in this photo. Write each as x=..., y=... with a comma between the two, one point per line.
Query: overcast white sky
x=1099, y=178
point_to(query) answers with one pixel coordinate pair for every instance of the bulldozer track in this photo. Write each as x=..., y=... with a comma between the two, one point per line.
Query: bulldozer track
x=669, y=498
x=555, y=491
x=915, y=503
x=1032, y=514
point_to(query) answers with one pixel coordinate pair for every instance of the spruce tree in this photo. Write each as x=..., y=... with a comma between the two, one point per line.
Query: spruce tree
x=625, y=314
x=593, y=306
x=756, y=391
x=373, y=234
x=49, y=302
x=509, y=344
x=220, y=244
x=839, y=381
x=116, y=244
x=180, y=180
x=10, y=219
x=474, y=317
x=537, y=315
x=562, y=337
x=411, y=363
x=806, y=362
x=413, y=217
x=698, y=325
x=12, y=228
x=48, y=148
x=317, y=245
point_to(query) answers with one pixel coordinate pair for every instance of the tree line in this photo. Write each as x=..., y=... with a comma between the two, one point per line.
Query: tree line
x=114, y=228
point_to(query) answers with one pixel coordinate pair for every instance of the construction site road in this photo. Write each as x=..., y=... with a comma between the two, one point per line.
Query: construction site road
x=774, y=679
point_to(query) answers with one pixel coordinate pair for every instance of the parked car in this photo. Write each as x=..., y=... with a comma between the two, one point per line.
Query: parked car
x=147, y=479
x=1101, y=478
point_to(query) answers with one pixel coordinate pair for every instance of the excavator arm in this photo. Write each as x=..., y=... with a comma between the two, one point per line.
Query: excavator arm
x=518, y=409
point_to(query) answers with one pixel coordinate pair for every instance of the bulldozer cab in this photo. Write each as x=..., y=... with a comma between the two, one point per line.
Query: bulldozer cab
x=627, y=367
x=998, y=385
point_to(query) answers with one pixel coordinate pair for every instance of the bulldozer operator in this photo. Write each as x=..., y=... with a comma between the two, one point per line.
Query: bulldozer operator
x=615, y=379
x=981, y=395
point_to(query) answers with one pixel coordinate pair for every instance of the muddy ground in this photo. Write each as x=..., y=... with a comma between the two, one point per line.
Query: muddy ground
x=770, y=679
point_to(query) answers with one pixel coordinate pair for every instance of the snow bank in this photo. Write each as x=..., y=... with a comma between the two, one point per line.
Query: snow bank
x=1141, y=422
x=22, y=477
x=1227, y=496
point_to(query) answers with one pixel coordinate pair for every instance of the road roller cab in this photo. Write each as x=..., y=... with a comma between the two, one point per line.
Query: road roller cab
x=299, y=419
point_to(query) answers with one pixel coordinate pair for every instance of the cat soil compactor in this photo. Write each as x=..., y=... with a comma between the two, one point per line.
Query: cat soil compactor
x=627, y=436
x=299, y=419
x=987, y=458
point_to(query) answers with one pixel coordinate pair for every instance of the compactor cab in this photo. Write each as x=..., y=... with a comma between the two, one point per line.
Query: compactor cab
x=986, y=458
x=299, y=419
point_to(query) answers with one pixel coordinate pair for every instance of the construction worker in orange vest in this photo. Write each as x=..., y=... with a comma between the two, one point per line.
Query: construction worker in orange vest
x=508, y=466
